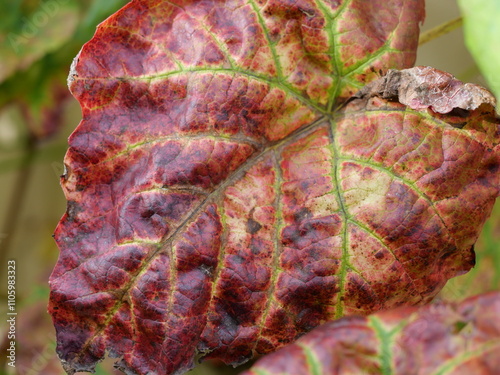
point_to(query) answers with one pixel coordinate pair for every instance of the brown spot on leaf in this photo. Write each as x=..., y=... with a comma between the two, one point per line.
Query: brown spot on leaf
x=253, y=226
x=424, y=87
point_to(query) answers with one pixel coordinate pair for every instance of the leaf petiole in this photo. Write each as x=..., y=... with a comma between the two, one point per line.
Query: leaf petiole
x=440, y=30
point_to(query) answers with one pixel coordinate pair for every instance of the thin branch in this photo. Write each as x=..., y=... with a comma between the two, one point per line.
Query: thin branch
x=17, y=199
x=437, y=31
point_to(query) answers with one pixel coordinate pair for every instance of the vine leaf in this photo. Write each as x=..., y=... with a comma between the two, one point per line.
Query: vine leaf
x=226, y=196
x=459, y=338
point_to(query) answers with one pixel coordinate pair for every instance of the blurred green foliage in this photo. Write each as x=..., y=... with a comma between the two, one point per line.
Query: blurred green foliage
x=38, y=41
x=482, y=33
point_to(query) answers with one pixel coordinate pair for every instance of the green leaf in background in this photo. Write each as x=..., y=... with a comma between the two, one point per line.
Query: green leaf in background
x=38, y=41
x=33, y=29
x=482, y=32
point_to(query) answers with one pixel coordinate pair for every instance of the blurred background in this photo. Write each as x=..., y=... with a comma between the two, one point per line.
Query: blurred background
x=38, y=40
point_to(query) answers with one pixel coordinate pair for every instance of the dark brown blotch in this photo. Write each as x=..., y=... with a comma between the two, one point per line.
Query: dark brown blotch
x=253, y=226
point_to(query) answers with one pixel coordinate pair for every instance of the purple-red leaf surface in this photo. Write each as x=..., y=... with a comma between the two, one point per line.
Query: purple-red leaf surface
x=226, y=196
x=455, y=338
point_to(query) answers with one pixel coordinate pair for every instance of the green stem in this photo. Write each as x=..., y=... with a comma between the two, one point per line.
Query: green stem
x=437, y=31
x=17, y=199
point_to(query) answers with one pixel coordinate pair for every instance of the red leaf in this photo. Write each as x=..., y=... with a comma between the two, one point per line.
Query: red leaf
x=218, y=208
x=450, y=338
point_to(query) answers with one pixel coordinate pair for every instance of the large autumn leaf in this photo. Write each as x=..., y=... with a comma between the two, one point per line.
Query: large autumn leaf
x=220, y=204
x=455, y=338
